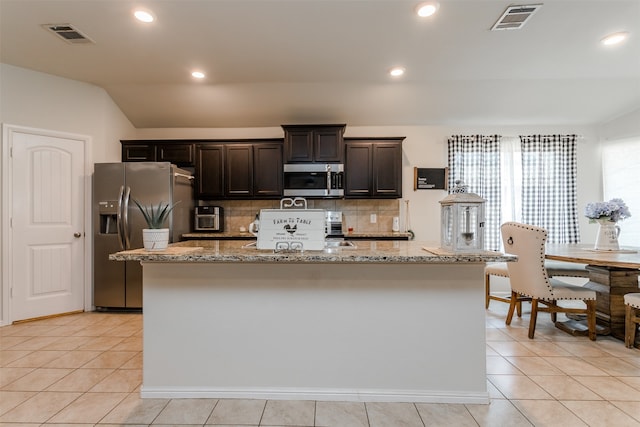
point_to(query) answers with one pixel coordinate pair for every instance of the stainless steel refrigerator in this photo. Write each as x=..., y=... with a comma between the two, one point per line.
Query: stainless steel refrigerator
x=118, y=223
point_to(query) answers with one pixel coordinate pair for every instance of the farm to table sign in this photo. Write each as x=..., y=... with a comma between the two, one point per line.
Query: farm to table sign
x=293, y=229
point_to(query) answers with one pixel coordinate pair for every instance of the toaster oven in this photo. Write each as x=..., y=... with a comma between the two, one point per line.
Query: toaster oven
x=208, y=218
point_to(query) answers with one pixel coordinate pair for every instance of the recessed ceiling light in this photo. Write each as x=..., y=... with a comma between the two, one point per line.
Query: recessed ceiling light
x=144, y=15
x=615, y=38
x=197, y=75
x=396, y=71
x=427, y=9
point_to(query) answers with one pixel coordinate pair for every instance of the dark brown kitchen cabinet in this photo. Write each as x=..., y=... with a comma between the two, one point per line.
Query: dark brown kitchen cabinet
x=209, y=171
x=238, y=170
x=373, y=168
x=267, y=170
x=358, y=172
x=314, y=143
x=233, y=170
x=180, y=153
x=138, y=152
x=253, y=170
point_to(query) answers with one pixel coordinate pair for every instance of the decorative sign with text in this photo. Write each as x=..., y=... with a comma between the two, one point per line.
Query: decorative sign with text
x=293, y=229
x=430, y=179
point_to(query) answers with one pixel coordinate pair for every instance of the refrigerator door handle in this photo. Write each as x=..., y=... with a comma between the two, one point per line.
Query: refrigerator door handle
x=181, y=175
x=125, y=216
x=119, y=224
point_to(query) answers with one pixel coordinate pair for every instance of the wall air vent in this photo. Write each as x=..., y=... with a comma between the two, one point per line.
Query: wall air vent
x=68, y=33
x=515, y=17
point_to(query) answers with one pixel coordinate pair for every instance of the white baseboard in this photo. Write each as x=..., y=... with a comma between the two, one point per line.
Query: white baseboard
x=319, y=394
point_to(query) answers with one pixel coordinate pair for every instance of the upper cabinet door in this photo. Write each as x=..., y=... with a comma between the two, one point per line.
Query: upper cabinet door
x=138, y=152
x=267, y=170
x=387, y=169
x=238, y=172
x=298, y=145
x=209, y=171
x=329, y=145
x=358, y=164
x=314, y=143
x=178, y=154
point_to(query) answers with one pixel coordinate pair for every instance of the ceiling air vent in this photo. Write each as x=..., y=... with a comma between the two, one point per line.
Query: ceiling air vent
x=515, y=17
x=68, y=33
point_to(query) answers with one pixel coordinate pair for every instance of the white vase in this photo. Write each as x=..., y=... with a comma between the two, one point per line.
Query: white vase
x=608, y=232
x=155, y=239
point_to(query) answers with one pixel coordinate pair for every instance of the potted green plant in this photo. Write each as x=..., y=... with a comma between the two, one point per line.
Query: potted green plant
x=155, y=237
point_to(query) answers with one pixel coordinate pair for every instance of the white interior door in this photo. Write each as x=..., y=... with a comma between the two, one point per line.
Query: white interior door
x=47, y=225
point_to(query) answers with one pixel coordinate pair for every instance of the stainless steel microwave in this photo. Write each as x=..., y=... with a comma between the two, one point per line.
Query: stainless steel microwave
x=314, y=180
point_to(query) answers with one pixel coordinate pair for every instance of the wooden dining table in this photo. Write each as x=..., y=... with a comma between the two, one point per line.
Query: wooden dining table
x=612, y=274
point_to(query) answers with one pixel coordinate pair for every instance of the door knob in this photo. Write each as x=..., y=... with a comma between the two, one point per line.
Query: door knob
x=77, y=235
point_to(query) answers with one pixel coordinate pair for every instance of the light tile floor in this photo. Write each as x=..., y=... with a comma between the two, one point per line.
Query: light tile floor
x=85, y=370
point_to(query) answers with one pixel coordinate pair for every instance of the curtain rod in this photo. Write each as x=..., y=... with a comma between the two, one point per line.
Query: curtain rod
x=518, y=136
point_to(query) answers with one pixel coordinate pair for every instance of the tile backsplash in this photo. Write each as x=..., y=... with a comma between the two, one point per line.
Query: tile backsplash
x=356, y=213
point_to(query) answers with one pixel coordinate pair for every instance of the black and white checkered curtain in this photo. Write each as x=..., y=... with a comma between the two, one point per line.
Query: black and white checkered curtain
x=549, y=175
x=475, y=160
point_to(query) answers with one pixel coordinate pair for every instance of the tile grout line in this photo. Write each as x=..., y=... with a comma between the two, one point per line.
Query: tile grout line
x=264, y=408
x=415, y=406
x=366, y=412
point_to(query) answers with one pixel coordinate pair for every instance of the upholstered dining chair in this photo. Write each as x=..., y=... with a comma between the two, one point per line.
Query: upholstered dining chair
x=498, y=269
x=530, y=282
x=554, y=269
x=632, y=317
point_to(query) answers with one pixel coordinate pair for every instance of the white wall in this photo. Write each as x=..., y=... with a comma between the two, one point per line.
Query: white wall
x=32, y=99
x=426, y=147
x=624, y=126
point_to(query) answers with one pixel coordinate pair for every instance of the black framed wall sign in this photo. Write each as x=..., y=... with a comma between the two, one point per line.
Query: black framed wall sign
x=430, y=178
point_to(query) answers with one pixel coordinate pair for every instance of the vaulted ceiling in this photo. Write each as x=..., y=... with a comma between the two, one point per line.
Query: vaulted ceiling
x=269, y=62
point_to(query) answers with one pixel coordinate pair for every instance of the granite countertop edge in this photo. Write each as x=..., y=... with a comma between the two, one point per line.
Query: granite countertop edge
x=405, y=252
x=248, y=236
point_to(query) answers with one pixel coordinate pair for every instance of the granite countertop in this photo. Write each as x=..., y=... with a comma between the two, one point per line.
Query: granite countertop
x=379, y=235
x=228, y=235
x=223, y=235
x=363, y=252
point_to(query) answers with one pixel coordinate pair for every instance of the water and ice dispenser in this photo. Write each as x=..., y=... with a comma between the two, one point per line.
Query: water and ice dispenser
x=108, y=213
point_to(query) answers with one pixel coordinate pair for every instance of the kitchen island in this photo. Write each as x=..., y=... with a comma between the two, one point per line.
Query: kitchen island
x=382, y=321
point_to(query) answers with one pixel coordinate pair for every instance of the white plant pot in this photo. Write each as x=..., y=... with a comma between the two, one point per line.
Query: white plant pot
x=155, y=239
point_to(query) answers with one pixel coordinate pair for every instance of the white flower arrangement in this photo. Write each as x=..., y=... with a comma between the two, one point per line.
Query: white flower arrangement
x=614, y=210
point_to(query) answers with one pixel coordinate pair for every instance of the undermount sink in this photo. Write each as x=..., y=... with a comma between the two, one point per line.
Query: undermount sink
x=339, y=244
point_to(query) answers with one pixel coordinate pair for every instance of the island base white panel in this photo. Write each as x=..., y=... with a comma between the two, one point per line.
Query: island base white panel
x=351, y=332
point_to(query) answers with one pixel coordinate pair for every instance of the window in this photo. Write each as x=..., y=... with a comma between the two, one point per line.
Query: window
x=511, y=178
x=529, y=179
x=620, y=165
x=549, y=185
x=475, y=160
